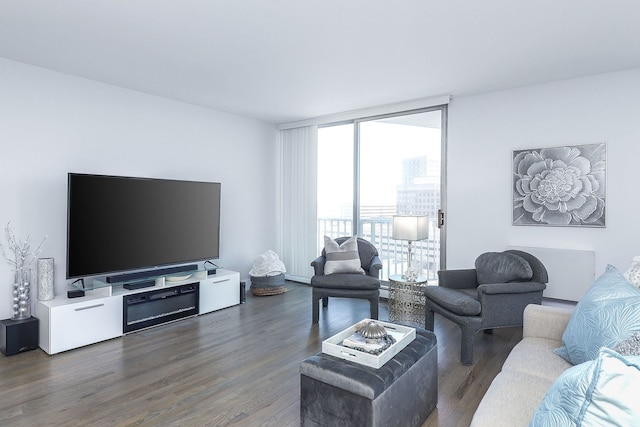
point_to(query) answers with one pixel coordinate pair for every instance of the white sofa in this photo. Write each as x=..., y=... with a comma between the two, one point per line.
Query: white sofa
x=529, y=371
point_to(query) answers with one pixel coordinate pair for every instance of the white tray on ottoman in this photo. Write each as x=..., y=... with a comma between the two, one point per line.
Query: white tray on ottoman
x=402, y=334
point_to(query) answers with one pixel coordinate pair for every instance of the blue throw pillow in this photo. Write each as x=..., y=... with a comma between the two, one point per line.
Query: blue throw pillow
x=608, y=314
x=600, y=392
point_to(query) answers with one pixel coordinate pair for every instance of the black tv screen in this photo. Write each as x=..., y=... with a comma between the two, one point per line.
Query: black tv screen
x=117, y=224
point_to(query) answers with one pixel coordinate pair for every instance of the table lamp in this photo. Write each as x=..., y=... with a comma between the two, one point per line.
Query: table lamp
x=411, y=228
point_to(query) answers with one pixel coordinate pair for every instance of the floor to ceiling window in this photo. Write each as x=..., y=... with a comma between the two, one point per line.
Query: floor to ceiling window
x=371, y=169
x=335, y=181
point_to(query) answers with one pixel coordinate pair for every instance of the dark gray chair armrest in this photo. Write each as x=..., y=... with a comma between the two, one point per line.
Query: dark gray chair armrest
x=458, y=279
x=318, y=265
x=511, y=288
x=503, y=303
x=375, y=267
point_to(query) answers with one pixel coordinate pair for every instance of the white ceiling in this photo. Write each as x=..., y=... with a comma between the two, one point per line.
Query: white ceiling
x=287, y=60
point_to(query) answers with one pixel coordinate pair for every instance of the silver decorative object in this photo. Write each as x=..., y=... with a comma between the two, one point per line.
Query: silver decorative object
x=21, y=295
x=21, y=258
x=373, y=331
x=45, y=279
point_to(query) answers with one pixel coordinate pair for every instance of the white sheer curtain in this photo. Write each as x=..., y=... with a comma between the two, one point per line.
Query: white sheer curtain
x=297, y=203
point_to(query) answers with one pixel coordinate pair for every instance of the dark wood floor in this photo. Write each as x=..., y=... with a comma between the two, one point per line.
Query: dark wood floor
x=234, y=367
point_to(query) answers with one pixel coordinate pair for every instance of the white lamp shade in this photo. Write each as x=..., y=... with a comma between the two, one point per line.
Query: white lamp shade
x=410, y=227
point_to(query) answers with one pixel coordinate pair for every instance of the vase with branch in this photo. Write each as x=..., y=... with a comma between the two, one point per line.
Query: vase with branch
x=20, y=256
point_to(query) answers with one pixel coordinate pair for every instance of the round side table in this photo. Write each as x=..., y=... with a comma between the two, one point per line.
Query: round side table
x=406, y=300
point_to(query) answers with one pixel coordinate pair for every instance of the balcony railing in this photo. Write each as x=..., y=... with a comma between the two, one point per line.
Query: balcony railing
x=393, y=253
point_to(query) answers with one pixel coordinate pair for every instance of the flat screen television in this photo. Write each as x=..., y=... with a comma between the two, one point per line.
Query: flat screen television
x=119, y=224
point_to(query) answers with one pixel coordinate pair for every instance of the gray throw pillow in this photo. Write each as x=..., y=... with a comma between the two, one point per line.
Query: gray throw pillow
x=502, y=267
x=342, y=258
x=633, y=273
x=630, y=346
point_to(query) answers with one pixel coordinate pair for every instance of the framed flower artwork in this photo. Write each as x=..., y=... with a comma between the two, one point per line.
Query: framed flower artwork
x=560, y=186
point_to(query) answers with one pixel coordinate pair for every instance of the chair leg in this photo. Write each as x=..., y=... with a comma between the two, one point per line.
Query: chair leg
x=325, y=301
x=373, y=307
x=466, y=348
x=429, y=319
x=315, y=311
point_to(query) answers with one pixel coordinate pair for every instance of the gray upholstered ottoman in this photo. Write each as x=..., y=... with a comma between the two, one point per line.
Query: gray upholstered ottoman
x=403, y=392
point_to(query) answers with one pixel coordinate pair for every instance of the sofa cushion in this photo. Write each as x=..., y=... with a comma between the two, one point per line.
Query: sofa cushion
x=456, y=301
x=345, y=281
x=608, y=314
x=502, y=267
x=544, y=321
x=511, y=400
x=529, y=371
x=530, y=354
x=342, y=258
x=595, y=393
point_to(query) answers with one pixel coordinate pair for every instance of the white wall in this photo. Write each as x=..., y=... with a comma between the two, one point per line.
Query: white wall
x=485, y=129
x=52, y=123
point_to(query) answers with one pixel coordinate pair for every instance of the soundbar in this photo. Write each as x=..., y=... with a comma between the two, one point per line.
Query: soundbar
x=126, y=277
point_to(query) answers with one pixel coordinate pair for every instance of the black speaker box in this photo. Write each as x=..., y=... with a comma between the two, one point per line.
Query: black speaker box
x=243, y=292
x=75, y=293
x=17, y=336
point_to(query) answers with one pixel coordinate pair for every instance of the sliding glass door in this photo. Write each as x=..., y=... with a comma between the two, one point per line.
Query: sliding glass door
x=374, y=168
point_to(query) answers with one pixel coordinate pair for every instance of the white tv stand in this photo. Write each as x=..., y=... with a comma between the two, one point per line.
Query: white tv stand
x=66, y=323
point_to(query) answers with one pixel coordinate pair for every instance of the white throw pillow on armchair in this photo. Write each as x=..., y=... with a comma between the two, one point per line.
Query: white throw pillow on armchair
x=343, y=258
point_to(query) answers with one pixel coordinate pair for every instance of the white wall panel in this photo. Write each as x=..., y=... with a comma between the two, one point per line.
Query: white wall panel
x=571, y=272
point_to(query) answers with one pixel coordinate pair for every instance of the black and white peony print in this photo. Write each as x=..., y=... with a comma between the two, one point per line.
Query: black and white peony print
x=560, y=186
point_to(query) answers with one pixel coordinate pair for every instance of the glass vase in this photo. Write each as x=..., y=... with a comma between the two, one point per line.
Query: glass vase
x=21, y=295
x=45, y=279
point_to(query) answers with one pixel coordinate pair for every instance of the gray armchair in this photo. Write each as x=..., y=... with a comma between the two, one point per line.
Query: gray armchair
x=347, y=285
x=492, y=295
